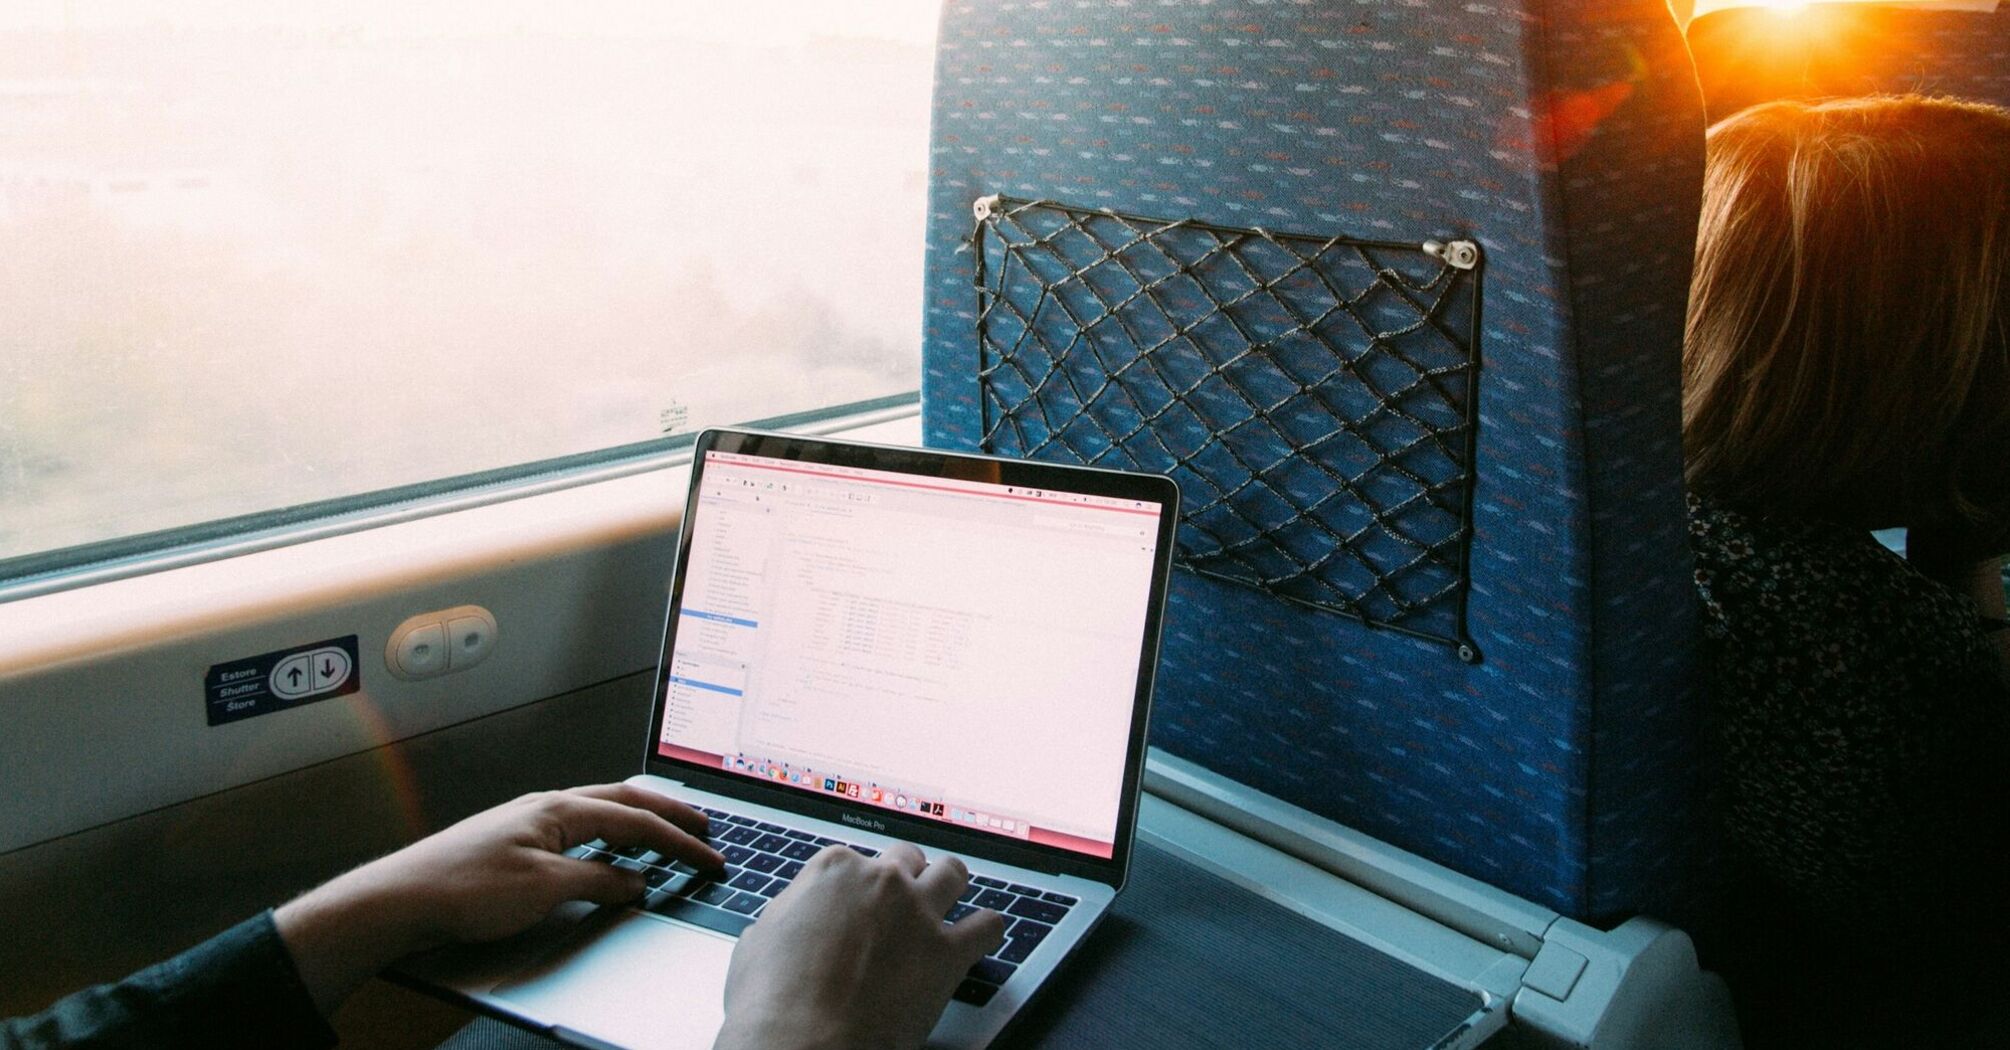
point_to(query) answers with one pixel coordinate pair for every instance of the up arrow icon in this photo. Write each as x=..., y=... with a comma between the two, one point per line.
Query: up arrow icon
x=294, y=677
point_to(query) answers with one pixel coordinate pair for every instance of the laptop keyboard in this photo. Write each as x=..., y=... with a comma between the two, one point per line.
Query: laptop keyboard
x=1030, y=915
x=762, y=858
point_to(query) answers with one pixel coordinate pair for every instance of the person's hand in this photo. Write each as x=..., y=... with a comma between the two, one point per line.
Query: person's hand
x=494, y=874
x=854, y=954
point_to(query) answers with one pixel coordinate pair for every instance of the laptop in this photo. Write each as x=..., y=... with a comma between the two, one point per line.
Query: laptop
x=868, y=645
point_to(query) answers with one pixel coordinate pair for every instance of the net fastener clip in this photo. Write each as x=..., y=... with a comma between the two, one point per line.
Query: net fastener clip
x=1459, y=255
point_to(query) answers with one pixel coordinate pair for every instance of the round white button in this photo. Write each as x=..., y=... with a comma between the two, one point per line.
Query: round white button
x=423, y=650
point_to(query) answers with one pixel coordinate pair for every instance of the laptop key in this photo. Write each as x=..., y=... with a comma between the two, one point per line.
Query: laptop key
x=803, y=835
x=986, y=880
x=764, y=862
x=992, y=971
x=1026, y=928
x=867, y=850
x=630, y=863
x=740, y=835
x=770, y=843
x=957, y=911
x=1061, y=899
x=750, y=881
x=737, y=854
x=713, y=893
x=746, y=903
x=971, y=893
x=680, y=883
x=738, y=819
x=976, y=993
x=730, y=923
x=996, y=900
x=1037, y=910
x=1024, y=936
x=772, y=829
x=1023, y=891
x=789, y=870
x=801, y=850
x=822, y=841
x=774, y=888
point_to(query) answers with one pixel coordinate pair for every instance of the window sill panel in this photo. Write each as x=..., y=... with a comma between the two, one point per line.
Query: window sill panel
x=101, y=687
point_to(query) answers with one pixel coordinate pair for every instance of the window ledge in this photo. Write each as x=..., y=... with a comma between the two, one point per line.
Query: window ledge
x=102, y=686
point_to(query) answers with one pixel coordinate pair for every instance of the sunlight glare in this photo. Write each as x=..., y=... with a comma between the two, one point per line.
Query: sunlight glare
x=1699, y=8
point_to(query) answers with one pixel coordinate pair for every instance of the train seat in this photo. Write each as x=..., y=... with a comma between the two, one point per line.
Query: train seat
x=1396, y=292
x=1749, y=55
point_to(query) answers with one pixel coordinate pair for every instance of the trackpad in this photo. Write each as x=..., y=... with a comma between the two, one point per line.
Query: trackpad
x=639, y=983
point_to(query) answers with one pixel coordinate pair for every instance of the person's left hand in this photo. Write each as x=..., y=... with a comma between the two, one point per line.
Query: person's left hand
x=494, y=874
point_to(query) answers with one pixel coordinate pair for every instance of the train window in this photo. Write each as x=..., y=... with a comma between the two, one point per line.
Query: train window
x=264, y=256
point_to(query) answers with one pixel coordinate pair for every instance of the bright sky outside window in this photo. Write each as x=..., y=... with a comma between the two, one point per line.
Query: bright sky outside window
x=264, y=254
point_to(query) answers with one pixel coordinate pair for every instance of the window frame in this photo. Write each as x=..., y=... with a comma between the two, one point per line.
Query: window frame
x=101, y=670
x=63, y=568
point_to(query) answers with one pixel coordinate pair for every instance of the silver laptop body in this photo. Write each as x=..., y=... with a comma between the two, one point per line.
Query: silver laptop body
x=871, y=645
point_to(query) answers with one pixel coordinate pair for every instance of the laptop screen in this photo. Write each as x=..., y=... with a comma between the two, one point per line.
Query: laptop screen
x=962, y=651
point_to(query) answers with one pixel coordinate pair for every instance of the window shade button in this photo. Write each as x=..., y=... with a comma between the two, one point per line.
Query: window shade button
x=423, y=650
x=470, y=639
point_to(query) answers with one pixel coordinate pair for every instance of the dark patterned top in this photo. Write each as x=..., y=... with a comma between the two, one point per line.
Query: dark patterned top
x=238, y=989
x=1861, y=727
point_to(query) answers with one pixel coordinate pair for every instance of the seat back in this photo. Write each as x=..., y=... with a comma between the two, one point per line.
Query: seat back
x=1436, y=577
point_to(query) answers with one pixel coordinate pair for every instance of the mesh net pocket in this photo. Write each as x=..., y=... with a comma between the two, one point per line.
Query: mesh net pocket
x=1313, y=397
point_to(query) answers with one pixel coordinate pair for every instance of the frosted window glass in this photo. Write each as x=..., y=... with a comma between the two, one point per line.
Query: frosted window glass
x=254, y=255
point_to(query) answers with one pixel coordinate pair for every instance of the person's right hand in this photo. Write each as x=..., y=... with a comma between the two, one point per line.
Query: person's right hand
x=854, y=954
x=489, y=876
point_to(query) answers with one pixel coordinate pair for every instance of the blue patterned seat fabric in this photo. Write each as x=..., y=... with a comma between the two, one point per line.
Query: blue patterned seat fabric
x=1566, y=138
x=1962, y=53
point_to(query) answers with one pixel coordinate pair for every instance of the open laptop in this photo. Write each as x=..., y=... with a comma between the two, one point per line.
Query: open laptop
x=869, y=645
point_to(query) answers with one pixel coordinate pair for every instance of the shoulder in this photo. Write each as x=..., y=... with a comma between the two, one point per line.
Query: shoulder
x=1811, y=627
x=1819, y=580
x=1852, y=705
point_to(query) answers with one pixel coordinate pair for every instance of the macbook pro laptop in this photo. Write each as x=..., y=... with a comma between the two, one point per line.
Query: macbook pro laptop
x=868, y=645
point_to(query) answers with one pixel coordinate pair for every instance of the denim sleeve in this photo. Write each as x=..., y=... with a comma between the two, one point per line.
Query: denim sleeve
x=237, y=989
